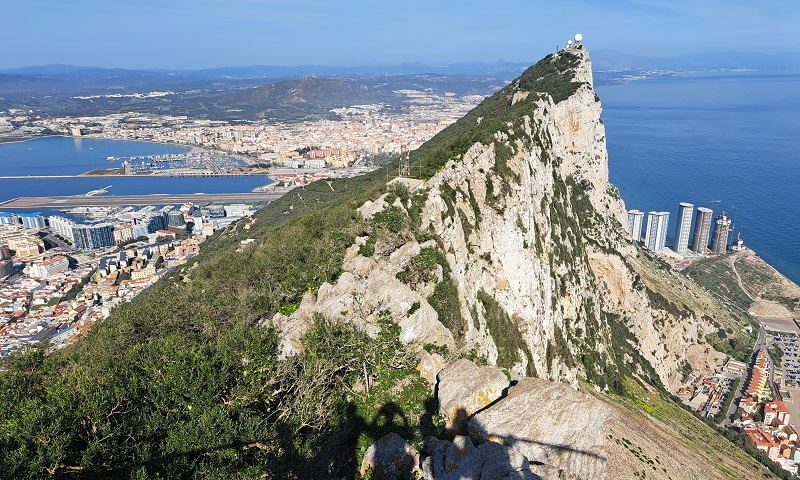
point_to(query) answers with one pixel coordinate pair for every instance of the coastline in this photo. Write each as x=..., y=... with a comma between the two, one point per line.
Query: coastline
x=190, y=148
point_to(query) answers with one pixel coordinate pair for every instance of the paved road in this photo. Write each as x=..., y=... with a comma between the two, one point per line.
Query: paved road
x=761, y=342
x=155, y=199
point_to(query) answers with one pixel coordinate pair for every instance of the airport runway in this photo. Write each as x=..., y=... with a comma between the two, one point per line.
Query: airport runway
x=138, y=200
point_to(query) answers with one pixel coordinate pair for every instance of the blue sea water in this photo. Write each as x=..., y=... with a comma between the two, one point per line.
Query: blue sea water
x=69, y=156
x=729, y=143
x=65, y=156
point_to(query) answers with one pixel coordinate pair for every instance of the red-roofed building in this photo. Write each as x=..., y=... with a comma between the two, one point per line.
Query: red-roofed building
x=775, y=413
x=764, y=442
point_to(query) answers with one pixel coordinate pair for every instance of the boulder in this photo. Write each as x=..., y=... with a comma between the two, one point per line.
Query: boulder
x=390, y=458
x=465, y=388
x=460, y=459
x=549, y=423
x=370, y=208
x=430, y=364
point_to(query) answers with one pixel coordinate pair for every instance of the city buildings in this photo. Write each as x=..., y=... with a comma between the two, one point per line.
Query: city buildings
x=24, y=245
x=62, y=227
x=34, y=221
x=702, y=230
x=176, y=218
x=6, y=268
x=656, y=235
x=635, y=222
x=685, y=212
x=238, y=210
x=123, y=232
x=721, y=232
x=8, y=219
x=49, y=268
x=91, y=237
x=758, y=386
x=56, y=295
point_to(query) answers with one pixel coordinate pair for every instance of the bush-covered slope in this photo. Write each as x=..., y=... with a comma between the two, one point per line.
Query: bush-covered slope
x=181, y=383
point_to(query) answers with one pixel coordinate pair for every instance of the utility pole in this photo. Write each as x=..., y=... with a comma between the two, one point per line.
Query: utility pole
x=405, y=163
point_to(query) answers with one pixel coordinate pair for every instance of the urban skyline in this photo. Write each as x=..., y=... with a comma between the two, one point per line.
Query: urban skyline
x=701, y=239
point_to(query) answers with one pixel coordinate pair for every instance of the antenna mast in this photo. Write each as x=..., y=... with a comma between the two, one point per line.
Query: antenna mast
x=405, y=163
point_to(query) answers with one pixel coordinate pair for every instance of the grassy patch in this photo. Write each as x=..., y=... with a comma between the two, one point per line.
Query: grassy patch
x=504, y=332
x=552, y=75
x=715, y=275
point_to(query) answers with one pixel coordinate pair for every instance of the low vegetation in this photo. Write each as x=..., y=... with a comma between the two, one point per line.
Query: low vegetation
x=715, y=275
x=553, y=75
x=510, y=343
x=209, y=401
x=722, y=449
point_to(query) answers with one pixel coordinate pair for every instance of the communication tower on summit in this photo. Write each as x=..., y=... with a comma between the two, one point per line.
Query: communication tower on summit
x=405, y=163
x=578, y=39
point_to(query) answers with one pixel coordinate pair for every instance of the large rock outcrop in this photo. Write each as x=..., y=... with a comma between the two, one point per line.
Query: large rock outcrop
x=553, y=431
x=461, y=460
x=551, y=424
x=519, y=206
x=465, y=388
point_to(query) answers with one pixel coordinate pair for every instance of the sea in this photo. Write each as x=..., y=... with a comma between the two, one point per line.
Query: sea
x=71, y=156
x=729, y=142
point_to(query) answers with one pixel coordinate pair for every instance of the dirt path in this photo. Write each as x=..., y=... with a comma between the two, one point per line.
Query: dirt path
x=732, y=262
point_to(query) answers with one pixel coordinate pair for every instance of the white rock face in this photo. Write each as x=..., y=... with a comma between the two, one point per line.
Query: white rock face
x=366, y=290
x=535, y=247
x=465, y=388
x=533, y=244
x=549, y=423
x=390, y=458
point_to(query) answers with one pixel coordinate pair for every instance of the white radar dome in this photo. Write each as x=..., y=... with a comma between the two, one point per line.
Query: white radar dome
x=578, y=37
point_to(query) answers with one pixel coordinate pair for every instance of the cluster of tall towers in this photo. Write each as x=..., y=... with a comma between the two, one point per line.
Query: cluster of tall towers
x=655, y=237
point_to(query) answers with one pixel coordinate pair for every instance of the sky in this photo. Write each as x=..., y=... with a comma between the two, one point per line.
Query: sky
x=206, y=33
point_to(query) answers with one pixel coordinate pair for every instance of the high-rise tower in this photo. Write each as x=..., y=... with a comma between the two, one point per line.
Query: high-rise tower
x=656, y=237
x=702, y=230
x=685, y=211
x=635, y=221
x=723, y=228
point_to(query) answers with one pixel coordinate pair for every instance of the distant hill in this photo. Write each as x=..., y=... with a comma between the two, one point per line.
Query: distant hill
x=293, y=99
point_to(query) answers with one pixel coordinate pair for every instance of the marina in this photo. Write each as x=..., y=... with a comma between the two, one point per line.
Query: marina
x=152, y=199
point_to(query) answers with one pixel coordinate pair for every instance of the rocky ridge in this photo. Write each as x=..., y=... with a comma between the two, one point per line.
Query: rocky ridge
x=529, y=231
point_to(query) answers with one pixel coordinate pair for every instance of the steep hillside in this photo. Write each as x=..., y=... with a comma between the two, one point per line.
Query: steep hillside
x=518, y=214
x=750, y=284
x=289, y=358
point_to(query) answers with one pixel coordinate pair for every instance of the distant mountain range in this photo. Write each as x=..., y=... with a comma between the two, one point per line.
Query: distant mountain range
x=285, y=100
x=298, y=92
x=54, y=78
x=58, y=78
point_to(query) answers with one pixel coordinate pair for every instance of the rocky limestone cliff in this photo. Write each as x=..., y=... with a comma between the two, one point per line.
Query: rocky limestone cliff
x=548, y=430
x=521, y=224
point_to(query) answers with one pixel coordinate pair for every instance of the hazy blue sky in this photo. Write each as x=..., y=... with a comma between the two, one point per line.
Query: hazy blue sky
x=204, y=33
